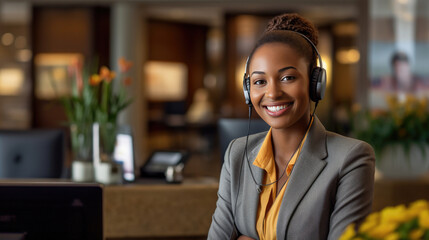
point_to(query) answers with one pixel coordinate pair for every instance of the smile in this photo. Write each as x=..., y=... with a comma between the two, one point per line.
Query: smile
x=278, y=108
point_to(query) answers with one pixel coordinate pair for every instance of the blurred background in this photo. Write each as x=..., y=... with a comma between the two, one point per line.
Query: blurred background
x=188, y=60
x=184, y=54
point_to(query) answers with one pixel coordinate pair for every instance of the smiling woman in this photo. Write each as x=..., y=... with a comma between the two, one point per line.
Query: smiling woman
x=296, y=181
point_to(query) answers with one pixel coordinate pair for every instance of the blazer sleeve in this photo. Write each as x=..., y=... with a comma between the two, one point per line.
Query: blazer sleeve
x=355, y=189
x=223, y=225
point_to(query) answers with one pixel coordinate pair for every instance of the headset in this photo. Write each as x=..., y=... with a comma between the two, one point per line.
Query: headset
x=317, y=84
x=317, y=88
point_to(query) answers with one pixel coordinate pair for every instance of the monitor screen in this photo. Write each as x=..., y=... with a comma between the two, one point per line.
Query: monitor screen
x=67, y=211
x=35, y=153
x=124, y=154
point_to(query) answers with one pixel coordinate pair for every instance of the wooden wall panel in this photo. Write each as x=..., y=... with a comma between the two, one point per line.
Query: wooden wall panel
x=84, y=30
x=180, y=42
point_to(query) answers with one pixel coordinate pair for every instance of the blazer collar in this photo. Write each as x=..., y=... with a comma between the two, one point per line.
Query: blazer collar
x=307, y=168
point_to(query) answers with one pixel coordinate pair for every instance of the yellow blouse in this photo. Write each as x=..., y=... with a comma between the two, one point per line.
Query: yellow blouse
x=269, y=204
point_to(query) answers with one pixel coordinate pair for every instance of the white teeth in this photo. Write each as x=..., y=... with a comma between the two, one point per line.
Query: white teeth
x=276, y=108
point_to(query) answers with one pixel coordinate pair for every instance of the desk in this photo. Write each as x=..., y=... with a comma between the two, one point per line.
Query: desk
x=142, y=211
x=161, y=210
x=155, y=210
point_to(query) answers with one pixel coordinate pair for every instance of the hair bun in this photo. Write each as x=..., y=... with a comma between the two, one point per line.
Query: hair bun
x=293, y=22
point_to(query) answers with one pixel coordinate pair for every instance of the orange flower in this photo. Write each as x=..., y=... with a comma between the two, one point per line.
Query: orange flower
x=94, y=80
x=124, y=65
x=127, y=81
x=106, y=74
x=75, y=69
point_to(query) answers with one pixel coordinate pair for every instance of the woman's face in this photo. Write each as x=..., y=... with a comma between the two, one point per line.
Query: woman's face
x=279, y=85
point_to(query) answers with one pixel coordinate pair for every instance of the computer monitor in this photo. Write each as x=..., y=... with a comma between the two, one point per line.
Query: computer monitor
x=231, y=128
x=36, y=153
x=124, y=152
x=48, y=211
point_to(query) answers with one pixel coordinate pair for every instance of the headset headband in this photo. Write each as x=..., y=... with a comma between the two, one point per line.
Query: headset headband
x=302, y=35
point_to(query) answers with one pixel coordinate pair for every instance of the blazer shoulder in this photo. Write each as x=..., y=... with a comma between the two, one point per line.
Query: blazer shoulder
x=344, y=141
x=344, y=146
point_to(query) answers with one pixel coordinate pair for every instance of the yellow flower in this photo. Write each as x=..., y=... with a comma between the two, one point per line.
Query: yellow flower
x=375, y=216
x=410, y=104
x=422, y=108
x=392, y=102
x=367, y=225
x=416, y=234
x=417, y=207
x=348, y=233
x=370, y=222
x=396, y=214
x=392, y=236
x=424, y=219
x=383, y=230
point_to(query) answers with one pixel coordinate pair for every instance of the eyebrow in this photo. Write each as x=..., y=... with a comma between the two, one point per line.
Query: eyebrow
x=280, y=70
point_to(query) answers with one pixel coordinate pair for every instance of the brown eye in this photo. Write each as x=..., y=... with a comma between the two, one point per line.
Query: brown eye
x=288, y=78
x=259, y=82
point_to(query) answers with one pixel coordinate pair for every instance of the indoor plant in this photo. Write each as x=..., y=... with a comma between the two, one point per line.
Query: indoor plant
x=401, y=131
x=93, y=100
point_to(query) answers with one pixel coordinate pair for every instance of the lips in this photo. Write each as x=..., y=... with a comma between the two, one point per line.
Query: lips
x=278, y=109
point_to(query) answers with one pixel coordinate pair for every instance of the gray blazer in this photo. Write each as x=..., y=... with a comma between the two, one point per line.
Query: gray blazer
x=330, y=187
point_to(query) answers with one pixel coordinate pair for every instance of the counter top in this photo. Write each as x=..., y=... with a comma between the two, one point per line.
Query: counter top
x=159, y=210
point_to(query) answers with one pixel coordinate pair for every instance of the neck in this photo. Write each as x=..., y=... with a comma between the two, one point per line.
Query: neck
x=286, y=141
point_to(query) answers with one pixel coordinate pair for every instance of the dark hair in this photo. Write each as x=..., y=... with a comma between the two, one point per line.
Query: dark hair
x=399, y=56
x=293, y=22
x=283, y=29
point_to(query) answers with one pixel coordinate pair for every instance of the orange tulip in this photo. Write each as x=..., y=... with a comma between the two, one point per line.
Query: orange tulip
x=94, y=80
x=106, y=74
x=124, y=65
x=127, y=81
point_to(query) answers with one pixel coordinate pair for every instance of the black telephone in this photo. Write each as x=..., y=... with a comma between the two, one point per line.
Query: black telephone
x=159, y=161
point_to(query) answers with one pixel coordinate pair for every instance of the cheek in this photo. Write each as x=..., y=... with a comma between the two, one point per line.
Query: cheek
x=300, y=92
x=255, y=95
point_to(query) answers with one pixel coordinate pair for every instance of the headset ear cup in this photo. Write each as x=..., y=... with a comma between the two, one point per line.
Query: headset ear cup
x=246, y=90
x=317, y=84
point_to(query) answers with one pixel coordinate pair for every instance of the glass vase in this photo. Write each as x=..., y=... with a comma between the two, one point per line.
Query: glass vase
x=81, y=142
x=107, y=135
x=107, y=171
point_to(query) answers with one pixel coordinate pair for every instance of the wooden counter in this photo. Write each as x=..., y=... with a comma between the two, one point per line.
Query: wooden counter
x=141, y=211
x=184, y=211
x=156, y=210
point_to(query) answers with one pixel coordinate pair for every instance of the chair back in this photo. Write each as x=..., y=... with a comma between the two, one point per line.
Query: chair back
x=231, y=128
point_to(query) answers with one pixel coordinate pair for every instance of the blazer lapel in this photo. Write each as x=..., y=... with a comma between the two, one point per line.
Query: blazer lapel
x=308, y=167
x=250, y=200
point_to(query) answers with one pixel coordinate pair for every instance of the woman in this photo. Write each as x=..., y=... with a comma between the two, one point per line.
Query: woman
x=296, y=181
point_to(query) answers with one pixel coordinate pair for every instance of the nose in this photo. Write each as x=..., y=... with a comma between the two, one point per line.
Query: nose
x=273, y=90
